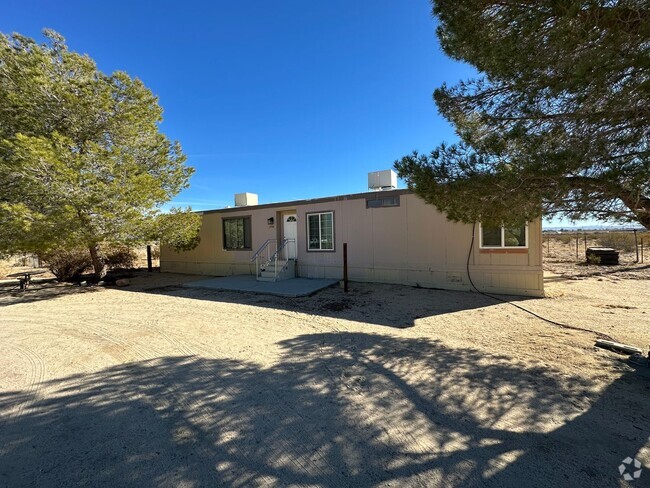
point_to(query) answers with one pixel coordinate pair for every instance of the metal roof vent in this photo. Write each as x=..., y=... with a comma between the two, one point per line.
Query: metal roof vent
x=382, y=180
x=245, y=199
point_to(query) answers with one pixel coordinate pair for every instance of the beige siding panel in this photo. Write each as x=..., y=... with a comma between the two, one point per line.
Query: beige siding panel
x=411, y=244
x=389, y=238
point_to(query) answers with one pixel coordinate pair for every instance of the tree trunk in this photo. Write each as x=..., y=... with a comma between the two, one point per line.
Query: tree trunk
x=640, y=207
x=98, y=265
x=645, y=219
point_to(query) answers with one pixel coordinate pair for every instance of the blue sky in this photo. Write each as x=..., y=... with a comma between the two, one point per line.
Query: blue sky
x=287, y=99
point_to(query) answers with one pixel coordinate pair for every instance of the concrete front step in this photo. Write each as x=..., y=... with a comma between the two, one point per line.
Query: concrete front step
x=268, y=274
x=283, y=273
x=271, y=267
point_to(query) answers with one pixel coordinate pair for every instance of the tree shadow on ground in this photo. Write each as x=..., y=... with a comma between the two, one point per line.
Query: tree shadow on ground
x=40, y=291
x=347, y=409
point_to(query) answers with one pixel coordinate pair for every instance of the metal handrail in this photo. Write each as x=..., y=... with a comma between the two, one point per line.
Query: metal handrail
x=270, y=260
x=282, y=246
x=262, y=248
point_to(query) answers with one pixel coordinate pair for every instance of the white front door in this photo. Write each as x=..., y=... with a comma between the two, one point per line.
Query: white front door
x=290, y=226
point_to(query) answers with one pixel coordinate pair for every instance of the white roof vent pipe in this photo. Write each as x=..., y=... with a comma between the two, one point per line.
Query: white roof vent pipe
x=245, y=199
x=382, y=180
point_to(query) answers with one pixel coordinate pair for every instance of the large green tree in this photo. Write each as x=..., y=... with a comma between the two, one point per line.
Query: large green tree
x=558, y=122
x=82, y=159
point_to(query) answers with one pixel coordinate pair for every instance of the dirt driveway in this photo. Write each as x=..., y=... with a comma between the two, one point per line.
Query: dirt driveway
x=156, y=385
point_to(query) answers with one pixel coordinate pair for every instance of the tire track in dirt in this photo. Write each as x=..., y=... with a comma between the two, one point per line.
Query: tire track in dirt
x=183, y=408
x=197, y=417
x=34, y=378
x=153, y=327
x=123, y=346
x=189, y=411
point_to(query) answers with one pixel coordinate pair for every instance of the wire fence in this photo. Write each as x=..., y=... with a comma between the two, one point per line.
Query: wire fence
x=633, y=244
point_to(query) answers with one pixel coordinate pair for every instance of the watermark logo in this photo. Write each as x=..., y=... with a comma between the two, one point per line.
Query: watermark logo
x=630, y=469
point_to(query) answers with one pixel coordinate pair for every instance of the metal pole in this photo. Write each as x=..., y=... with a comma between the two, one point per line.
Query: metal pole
x=636, y=246
x=345, y=267
x=149, y=264
x=642, y=250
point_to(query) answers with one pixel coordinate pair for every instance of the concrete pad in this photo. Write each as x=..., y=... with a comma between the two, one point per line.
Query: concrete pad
x=294, y=287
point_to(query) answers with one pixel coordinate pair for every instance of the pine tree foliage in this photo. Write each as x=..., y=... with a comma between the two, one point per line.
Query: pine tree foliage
x=82, y=159
x=558, y=121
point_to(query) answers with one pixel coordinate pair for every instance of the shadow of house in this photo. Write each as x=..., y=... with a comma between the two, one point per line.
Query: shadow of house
x=347, y=409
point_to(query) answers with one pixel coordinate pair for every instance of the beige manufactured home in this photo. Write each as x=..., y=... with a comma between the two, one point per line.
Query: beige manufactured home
x=392, y=236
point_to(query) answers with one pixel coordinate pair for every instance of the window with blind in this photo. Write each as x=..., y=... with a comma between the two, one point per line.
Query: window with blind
x=320, y=231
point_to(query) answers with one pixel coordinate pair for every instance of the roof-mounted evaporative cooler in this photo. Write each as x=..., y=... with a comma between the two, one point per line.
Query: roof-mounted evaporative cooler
x=245, y=199
x=382, y=180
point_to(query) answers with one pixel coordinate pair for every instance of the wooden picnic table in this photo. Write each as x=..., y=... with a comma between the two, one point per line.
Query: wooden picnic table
x=25, y=277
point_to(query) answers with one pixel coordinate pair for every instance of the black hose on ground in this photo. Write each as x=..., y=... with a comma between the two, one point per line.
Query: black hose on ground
x=600, y=335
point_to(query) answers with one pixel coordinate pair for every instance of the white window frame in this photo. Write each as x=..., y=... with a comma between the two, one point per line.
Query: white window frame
x=503, y=239
x=320, y=232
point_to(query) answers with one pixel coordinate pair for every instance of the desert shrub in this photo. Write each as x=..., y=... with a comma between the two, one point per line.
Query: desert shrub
x=565, y=238
x=622, y=241
x=67, y=264
x=155, y=252
x=5, y=268
x=118, y=257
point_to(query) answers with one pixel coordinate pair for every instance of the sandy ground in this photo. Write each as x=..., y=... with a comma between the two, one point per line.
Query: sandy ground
x=157, y=385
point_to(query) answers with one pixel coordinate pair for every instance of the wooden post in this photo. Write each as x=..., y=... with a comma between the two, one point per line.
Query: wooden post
x=585, y=243
x=642, y=250
x=636, y=246
x=577, y=241
x=345, y=267
x=149, y=264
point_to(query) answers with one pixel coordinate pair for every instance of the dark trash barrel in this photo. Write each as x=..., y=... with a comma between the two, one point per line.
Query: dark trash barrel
x=602, y=255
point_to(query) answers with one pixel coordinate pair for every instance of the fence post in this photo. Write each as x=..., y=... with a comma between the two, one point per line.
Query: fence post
x=642, y=250
x=577, y=241
x=636, y=246
x=149, y=264
x=345, y=267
